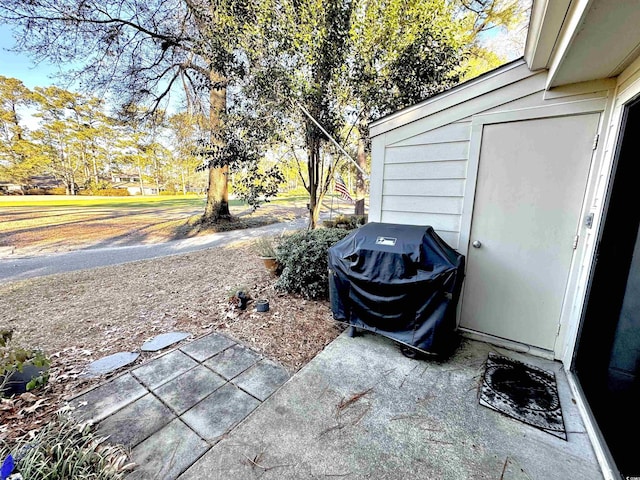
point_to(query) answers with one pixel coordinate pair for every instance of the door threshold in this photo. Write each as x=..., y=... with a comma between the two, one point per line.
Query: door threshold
x=508, y=344
x=605, y=459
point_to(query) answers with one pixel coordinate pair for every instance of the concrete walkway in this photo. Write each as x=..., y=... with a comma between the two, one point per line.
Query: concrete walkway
x=358, y=410
x=171, y=410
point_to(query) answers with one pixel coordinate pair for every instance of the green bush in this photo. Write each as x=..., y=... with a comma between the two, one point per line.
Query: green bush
x=56, y=191
x=35, y=191
x=106, y=192
x=303, y=259
x=64, y=449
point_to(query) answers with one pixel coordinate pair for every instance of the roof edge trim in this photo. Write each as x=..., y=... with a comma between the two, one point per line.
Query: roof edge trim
x=479, y=86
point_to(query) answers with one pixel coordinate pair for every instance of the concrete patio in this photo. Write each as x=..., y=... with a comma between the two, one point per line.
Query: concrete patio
x=360, y=409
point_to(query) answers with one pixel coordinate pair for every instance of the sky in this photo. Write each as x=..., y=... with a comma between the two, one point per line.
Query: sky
x=21, y=66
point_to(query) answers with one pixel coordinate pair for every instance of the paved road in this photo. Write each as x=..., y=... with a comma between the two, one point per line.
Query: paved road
x=12, y=269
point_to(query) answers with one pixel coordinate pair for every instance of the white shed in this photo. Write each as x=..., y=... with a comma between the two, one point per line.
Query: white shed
x=529, y=171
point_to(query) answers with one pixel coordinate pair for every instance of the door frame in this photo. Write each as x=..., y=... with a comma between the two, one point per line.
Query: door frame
x=581, y=107
x=622, y=101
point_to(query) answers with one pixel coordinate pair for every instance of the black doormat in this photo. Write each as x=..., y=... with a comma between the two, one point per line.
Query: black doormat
x=523, y=392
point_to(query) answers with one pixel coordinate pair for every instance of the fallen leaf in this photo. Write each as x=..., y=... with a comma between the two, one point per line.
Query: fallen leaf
x=35, y=406
x=28, y=397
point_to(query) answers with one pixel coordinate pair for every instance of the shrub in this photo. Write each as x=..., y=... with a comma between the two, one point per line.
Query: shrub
x=65, y=449
x=265, y=247
x=303, y=259
x=107, y=192
x=35, y=191
x=56, y=191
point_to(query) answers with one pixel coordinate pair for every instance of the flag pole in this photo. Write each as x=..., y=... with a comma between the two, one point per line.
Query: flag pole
x=332, y=195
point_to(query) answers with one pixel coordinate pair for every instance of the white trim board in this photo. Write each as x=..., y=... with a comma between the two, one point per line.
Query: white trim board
x=603, y=455
x=504, y=343
x=510, y=73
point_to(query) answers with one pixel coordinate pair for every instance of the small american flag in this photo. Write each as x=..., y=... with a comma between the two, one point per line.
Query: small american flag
x=341, y=188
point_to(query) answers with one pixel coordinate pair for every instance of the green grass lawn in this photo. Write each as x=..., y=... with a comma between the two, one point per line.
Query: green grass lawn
x=148, y=201
x=106, y=202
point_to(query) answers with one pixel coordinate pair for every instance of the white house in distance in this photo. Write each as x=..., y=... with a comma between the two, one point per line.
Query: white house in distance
x=532, y=171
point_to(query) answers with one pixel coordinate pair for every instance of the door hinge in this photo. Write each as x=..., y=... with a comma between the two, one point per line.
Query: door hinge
x=595, y=141
x=588, y=220
x=575, y=241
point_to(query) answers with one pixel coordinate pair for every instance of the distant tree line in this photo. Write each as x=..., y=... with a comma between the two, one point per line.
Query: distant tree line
x=74, y=139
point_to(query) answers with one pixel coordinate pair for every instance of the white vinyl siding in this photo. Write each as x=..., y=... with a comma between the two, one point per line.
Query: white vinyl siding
x=407, y=203
x=453, y=132
x=433, y=152
x=426, y=170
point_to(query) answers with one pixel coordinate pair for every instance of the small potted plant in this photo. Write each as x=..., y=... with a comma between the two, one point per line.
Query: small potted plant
x=239, y=297
x=265, y=249
x=21, y=369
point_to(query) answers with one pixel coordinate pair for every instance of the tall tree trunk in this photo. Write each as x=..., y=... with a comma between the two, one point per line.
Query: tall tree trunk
x=217, y=206
x=156, y=175
x=95, y=166
x=313, y=167
x=140, y=180
x=361, y=190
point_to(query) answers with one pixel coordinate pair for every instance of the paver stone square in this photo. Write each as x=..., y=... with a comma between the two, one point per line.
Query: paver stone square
x=167, y=453
x=262, y=379
x=233, y=361
x=163, y=369
x=108, y=398
x=220, y=412
x=207, y=347
x=185, y=391
x=111, y=363
x=136, y=422
x=163, y=341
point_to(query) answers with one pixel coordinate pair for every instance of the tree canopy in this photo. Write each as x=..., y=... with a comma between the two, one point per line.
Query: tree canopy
x=264, y=75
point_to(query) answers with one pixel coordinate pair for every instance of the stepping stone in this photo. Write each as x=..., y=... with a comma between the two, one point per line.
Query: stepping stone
x=111, y=363
x=262, y=380
x=136, y=422
x=233, y=361
x=185, y=391
x=167, y=453
x=220, y=412
x=163, y=341
x=106, y=399
x=206, y=347
x=163, y=369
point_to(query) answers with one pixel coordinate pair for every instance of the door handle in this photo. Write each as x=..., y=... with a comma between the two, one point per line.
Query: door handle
x=476, y=244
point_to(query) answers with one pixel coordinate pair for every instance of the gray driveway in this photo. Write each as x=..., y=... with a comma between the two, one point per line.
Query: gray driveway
x=12, y=269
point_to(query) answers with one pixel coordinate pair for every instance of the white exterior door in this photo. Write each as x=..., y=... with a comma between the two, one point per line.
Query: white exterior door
x=531, y=182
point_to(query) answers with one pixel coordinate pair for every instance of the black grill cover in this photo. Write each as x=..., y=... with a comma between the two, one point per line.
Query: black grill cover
x=402, y=281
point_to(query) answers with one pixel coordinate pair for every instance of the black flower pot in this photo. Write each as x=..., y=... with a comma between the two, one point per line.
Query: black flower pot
x=16, y=381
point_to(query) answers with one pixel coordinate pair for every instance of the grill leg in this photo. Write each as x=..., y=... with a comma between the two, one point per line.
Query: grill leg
x=410, y=352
